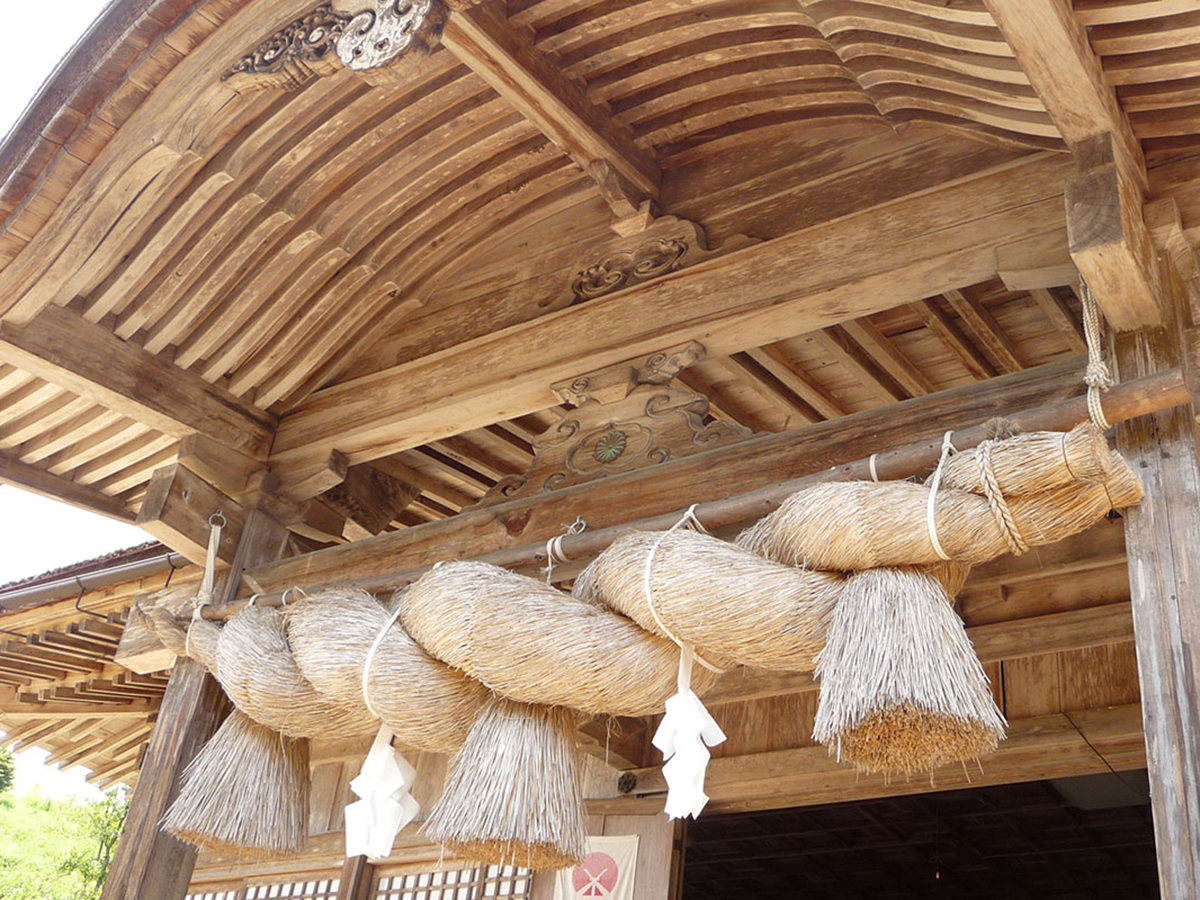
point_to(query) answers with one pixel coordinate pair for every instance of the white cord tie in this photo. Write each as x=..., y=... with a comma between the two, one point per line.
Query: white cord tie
x=688, y=520
x=934, y=484
x=204, y=597
x=366, y=672
x=871, y=466
x=554, y=550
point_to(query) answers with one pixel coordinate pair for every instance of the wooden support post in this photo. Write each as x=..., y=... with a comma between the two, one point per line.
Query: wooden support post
x=150, y=864
x=1162, y=539
x=358, y=876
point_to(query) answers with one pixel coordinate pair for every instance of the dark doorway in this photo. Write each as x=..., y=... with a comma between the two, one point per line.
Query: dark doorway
x=1086, y=837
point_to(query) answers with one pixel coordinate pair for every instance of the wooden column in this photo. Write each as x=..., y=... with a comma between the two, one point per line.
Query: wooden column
x=357, y=877
x=1162, y=538
x=149, y=864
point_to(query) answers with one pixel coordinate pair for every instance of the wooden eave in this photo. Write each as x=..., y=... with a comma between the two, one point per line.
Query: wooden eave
x=381, y=274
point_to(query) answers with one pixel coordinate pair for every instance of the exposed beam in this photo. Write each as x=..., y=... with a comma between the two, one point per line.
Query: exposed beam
x=952, y=338
x=1058, y=314
x=89, y=360
x=10, y=707
x=40, y=482
x=1075, y=629
x=717, y=474
x=888, y=357
x=176, y=510
x=507, y=59
x=1109, y=240
x=1051, y=46
x=773, y=359
x=370, y=498
x=854, y=266
x=1055, y=745
x=835, y=343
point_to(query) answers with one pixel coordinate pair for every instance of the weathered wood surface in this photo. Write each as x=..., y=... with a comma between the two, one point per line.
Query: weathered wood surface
x=176, y=509
x=45, y=484
x=149, y=863
x=91, y=361
x=510, y=529
x=1162, y=537
x=1051, y=746
x=865, y=262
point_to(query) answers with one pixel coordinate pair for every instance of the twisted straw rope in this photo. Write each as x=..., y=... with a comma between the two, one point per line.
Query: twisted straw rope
x=996, y=502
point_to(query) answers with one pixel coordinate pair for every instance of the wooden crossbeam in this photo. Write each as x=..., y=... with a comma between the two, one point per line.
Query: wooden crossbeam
x=657, y=490
x=370, y=498
x=985, y=327
x=854, y=265
x=176, y=509
x=89, y=360
x=1051, y=46
x=133, y=709
x=44, y=484
x=507, y=60
x=952, y=338
x=1056, y=745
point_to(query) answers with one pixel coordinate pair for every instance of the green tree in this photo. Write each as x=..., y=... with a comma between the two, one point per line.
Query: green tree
x=104, y=820
x=7, y=769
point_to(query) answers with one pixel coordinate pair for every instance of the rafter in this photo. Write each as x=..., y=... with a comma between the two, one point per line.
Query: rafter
x=854, y=266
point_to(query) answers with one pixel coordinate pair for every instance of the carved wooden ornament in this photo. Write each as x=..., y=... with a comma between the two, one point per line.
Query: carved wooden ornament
x=628, y=416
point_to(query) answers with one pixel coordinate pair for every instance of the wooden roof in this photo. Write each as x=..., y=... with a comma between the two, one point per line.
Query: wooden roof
x=383, y=267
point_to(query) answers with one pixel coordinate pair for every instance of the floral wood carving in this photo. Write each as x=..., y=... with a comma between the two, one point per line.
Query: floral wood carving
x=667, y=245
x=326, y=39
x=627, y=417
x=295, y=52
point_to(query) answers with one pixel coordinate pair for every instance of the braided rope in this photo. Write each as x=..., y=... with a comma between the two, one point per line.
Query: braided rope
x=996, y=502
x=1097, y=377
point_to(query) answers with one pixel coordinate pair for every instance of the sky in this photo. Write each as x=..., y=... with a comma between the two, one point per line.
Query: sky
x=38, y=534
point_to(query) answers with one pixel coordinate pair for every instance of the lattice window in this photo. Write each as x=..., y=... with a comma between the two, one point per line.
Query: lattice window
x=322, y=889
x=231, y=894
x=478, y=883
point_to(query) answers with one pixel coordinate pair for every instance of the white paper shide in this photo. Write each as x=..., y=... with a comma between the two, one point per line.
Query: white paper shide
x=684, y=736
x=384, y=782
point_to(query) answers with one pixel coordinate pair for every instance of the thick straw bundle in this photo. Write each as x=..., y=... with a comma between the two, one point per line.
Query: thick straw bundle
x=901, y=687
x=531, y=642
x=727, y=603
x=1032, y=463
x=246, y=791
x=513, y=793
x=257, y=671
x=426, y=704
x=847, y=526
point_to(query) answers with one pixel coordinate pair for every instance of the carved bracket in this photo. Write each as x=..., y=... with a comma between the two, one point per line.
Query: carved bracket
x=667, y=245
x=627, y=416
x=330, y=36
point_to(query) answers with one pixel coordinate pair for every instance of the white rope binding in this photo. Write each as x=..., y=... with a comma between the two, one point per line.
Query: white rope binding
x=204, y=597
x=554, y=550
x=934, y=484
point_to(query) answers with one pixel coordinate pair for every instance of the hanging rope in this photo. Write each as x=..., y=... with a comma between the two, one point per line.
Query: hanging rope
x=204, y=597
x=1097, y=377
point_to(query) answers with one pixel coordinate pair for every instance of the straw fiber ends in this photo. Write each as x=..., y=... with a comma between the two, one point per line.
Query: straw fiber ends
x=531, y=642
x=246, y=791
x=513, y=795
x=427, y=705
x=901, y=687
x=729, y=604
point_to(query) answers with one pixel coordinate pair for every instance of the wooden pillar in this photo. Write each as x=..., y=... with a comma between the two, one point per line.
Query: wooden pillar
x=149, y=864
x=358, y=876
x=1162, y=537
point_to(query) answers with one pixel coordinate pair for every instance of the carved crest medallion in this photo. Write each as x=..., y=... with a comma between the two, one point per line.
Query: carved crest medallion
x=626, y=417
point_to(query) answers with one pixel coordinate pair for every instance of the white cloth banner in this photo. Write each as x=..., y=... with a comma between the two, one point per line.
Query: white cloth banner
x=606, y=872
